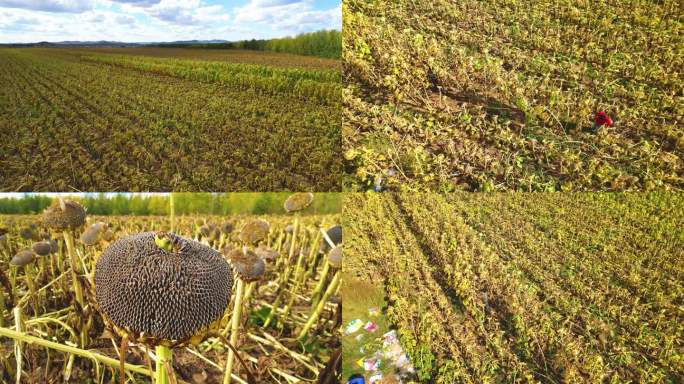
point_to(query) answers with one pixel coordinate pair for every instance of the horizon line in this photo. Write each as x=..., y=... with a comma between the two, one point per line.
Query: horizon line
x=168, y=41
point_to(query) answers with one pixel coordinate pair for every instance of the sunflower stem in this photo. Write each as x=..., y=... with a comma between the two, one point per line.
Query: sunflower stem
x=33, y=298
x=290, y=252
x=316, y=294
x=235, y=328
x=172, y=212
x=73, y=263
x=2, y=309
x=69, y=241
x=18, y=354
x=319, y=309
x=114, y=363
x=164, y=355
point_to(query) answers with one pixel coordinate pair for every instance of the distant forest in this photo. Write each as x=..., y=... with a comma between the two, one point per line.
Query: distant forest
x=184, y=203
x=325, y=43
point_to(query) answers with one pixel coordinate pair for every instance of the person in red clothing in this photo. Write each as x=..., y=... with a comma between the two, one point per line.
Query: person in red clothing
x=601, y=119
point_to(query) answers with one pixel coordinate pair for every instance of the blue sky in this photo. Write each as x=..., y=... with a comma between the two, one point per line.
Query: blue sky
x=163, y=20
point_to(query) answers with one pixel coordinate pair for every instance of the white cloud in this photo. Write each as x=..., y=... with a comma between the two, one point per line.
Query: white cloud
x=69, y=6
x=268, y=11
x=125, y=19
x=186, y=12
x=142, y=3
x=28, y=26
x=94, y=17
x=313, y=20
x=161, y=20
x=26, y=21
x=290, y=16
x=273, y=3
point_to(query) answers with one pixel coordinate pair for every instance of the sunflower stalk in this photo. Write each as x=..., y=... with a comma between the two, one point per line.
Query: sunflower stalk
x=316, y=294
x=114, y=363
x=2, y=309
x=172, y=213
x=69, y=241
x=332, y=288
x=33, y=297
x=164, y=358
x=18, y=353
x=234, y=330
x=73, y=263
x=303, y=274
x=282, y=282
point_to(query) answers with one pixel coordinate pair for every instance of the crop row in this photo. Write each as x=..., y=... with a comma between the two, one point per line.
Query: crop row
x=500, y=95
x=624, y=292
x=68, y=127
x=426, y=321
x=508, y=315
x=539, y=294
x=228, y=55
x=308, y=84
x=438, y=321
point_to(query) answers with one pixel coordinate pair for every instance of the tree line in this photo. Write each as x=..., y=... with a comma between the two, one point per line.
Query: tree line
x=184, y=203
x=324, y=43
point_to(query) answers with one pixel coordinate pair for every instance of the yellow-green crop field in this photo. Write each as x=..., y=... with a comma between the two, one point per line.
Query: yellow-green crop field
x=527, y=288
x=183, y=120
x=502, y=95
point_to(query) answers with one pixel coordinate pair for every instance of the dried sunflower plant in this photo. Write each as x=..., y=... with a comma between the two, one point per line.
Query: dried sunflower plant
x=183, y=298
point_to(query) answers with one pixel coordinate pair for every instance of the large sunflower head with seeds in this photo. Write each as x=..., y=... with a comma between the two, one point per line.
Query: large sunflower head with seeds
x=161, y=286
